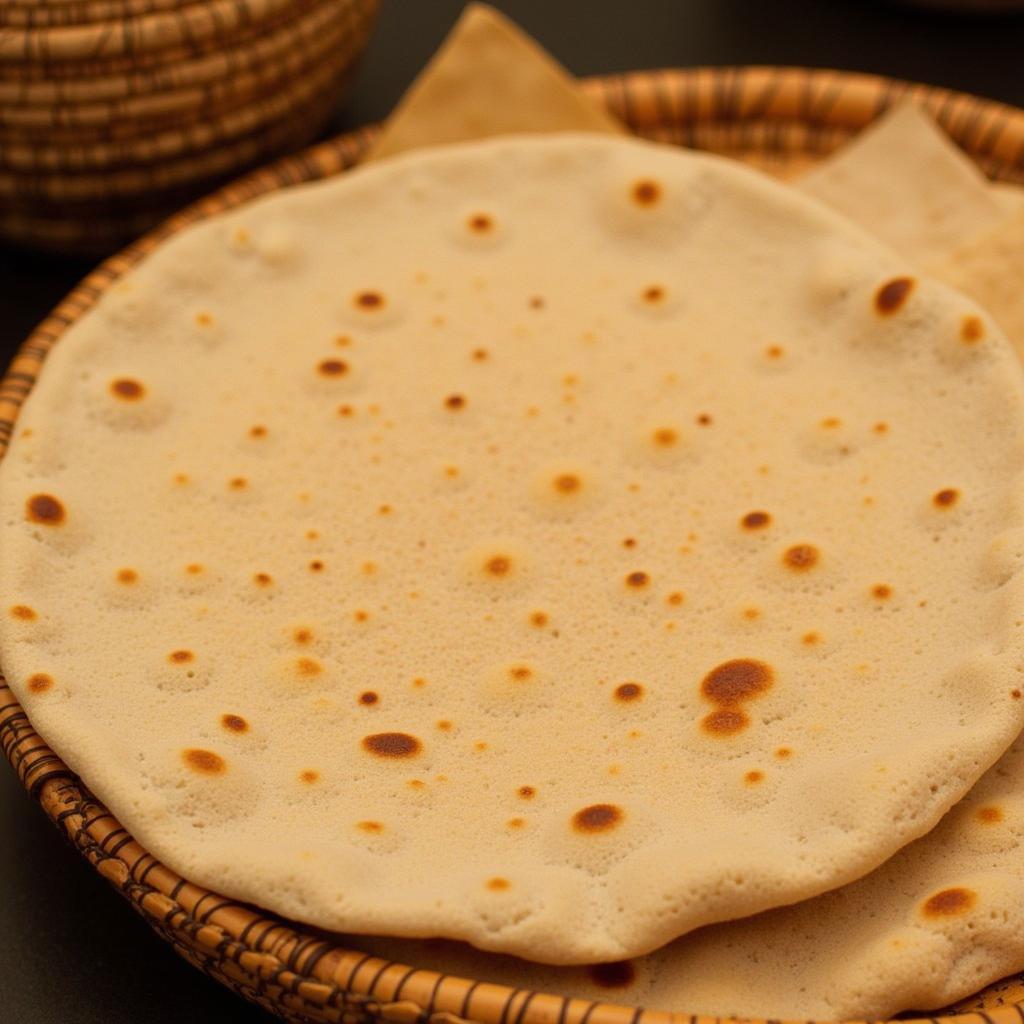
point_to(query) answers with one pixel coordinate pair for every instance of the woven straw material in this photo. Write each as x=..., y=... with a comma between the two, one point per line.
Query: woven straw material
x=133, y=107
x=780, y=119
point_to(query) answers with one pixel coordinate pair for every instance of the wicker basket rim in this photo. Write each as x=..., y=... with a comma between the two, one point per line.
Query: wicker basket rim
x=280, y=965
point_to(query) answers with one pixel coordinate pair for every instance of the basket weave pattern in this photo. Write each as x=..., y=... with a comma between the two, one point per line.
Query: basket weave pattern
x=781, y=119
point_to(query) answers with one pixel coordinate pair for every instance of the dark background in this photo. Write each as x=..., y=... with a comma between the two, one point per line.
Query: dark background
x=70, y=950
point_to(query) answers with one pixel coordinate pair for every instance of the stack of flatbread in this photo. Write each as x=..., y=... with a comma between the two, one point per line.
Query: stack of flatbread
x=595, y=555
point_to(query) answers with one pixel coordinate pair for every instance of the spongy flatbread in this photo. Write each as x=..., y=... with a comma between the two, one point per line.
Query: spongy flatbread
x=936, y=923
x=554, y=543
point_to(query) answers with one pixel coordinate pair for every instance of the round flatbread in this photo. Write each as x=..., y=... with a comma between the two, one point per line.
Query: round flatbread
x=557, y=544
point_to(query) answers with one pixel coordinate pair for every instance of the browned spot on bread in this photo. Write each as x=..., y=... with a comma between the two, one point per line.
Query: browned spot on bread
x=627, y=692
x=234, y=723
x=752, y=778
x=774, y=351
x=332, y=368
x=736, y=681
x=831, y=423
x=725, y=722
x=444, y=725
x=881, y=591
x=783, y=753
x=520, y=673
x=126, y=576
x=637, y=580
x=677, y=597
x=368, y=300
x=392, y=744
x=801, y=557
x=205, y=762
x=316, y=565
x=751, y=613
x=370, y=826
x=567, y=483
x=653, y=294
x=343, y=341
x=526, y=792
x=262, y=579
x=498, y=884
x=361, y=615
x=480, y=223
x=39, y=682
x=989, y=814
x=481, y=745
x=536, y=302
x=238, y=483
x=302, y=635
x=597, y=818
x=972, y=330
x=666, y=437
x=345, y=410
x=309, y=776
x=369, y=697
x=193, y=569
x=45, y=509
x=204, y=319
x=811, y=638
x=646, y=192
x=949, y=902
x=455, y=402
x=23, y=612
x=893, y=294
x=498, y=565
x=181, y=478
x=881, y=427
x=516, y=822
x=620, y=974
x=127, y=389
x=629, y=542
x=1015, y=694
x=756, y=520
x=181, y=657
x=946, y=498
x=538, y=619
x=703, y=419
x=308, y=667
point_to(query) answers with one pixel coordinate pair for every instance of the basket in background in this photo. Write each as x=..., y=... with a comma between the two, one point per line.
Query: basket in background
x=114, y=113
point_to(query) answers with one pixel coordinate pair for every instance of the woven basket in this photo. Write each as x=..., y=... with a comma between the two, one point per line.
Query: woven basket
x=114, y=113
x=781, y=119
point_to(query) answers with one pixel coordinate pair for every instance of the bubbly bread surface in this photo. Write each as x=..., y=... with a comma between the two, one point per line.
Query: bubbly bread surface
x=557, y=544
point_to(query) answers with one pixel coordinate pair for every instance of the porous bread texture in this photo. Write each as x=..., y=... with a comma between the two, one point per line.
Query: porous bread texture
x=602, y=512
x=940, y=920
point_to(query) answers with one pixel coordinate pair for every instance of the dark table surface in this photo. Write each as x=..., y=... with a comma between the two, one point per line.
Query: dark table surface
x=70, y=950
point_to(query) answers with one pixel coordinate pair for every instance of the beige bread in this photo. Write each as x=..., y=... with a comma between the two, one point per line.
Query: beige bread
x=557, y=544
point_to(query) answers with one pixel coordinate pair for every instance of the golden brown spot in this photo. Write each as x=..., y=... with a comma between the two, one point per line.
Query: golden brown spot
x=368, y=300
x=416, y=784
x=204, y=319
x=801, y=557
x=946, y=498
x=181, y=478
x=810, y=639
x=515, y=822
x=262, y=579
x=181, y=657
x=316, y=565
x=193, y=569
x=309, y=776
x=774, y=352
x=39, y=682
x=757, y=520
x=498, y=565
x=646, y=192
x=677, y=597
x=444, y=725
x=736, y=681
x=332, y=368
x=370, y=826
x=360, y=615
x=205, y=762
x=628, y=692
x=480, y=223
x=666, y=437
x=567, y=483
x=234, y=723
x=520, y=673
x=881, y=591
x=1015, y=694
x=752, y=778
x=629, y=542
x=127, y=389
x=893, y=294
x=637, y=580
x=308, y=667
x=751, y=613
x=783, y=753
x=343, y=341
x=526, y=792
x=725, y=722
x=653, y=294
x=126, y=576
x=369, y=697
x=989, y=814
x=45, y=509
x=345, y=410
x=392, y=744
x=538, y=619
x=498, y=884
x=536, y=302
x=949, y=902
x=238, y=483
x=831, y=423
x=972, y=330
x=620, y=974
x=455, y=402
x=480, y=745
x=881, y=427
x=23, y=612
x=597, y=818
x=302, y=635
x=704, y=420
